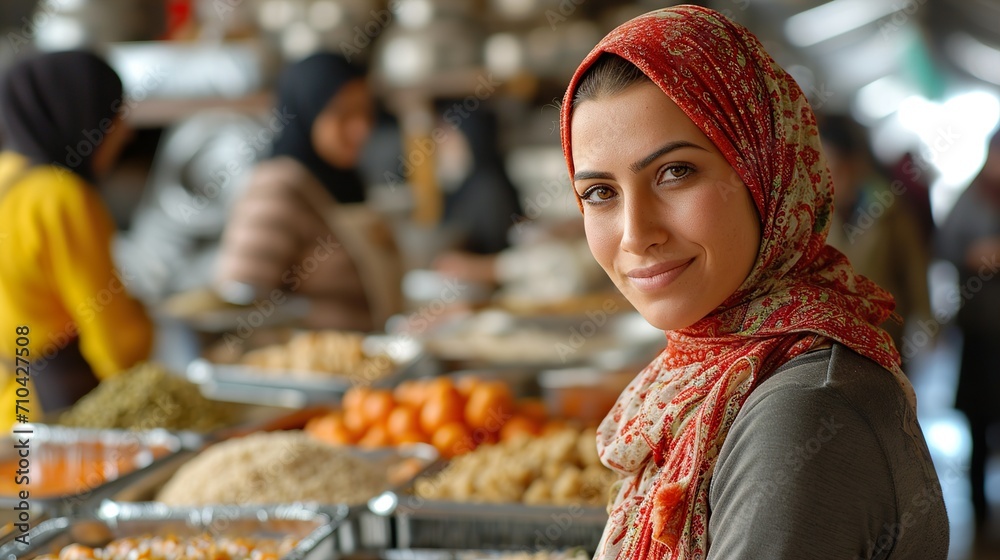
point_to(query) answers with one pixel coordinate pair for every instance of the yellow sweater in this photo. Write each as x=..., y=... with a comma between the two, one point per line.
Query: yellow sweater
x=58, y=279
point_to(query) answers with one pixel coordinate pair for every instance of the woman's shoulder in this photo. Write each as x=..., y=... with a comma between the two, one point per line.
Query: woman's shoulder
x=48, y=185
x=17, y=168
x=286, y=176
x=840, y=391
x=832, y=397
x=830, y=440
x=836, y=377
x=282, y=171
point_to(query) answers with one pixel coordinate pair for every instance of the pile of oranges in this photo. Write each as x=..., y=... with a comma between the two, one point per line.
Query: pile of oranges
x=455, y=416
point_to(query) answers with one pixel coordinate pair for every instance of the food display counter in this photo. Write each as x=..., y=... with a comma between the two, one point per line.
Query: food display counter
x=457, y=464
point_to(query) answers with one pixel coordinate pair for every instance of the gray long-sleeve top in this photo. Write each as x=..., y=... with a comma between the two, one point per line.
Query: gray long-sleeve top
x=826, y=461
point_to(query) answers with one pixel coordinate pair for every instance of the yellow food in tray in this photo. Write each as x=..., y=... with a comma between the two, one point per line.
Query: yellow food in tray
x=203, y=547
x=560, y=468
x=318, y=353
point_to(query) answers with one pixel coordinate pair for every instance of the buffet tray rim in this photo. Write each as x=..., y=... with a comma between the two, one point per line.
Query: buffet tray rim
x=328, y=519
x=67, y=504
x=204, y=371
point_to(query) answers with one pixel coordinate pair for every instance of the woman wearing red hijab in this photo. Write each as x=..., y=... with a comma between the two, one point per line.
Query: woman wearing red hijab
x=776, y=424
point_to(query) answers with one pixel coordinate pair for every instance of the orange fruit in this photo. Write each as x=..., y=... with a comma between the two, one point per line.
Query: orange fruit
x=319, y=425
x=453, y=439
x=330, y=428
x=376, y=436
x=442, y=407
x=489, y=406
x=440, y=386
x=355, y=422
x=466, y=384
x=408, y=392
x=342, y=436
x=403, y=419
x=354, y=398
x=377, y=406
x=534, y=409
x=519, y=425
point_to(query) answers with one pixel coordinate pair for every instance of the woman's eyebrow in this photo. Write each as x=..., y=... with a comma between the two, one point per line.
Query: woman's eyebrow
x=666, y=148
x=641, y=164
x=584, y=175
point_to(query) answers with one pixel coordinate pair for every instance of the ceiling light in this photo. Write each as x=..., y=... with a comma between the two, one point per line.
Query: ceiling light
x=829, y=20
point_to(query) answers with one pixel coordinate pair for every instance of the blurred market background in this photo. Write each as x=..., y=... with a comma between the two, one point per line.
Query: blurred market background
x=918, y=78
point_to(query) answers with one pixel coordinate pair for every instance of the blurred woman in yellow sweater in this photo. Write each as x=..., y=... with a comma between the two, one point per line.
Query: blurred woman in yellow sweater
x=61, y=128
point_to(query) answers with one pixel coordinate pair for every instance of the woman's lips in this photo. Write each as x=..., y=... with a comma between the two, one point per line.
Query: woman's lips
x=657, y=276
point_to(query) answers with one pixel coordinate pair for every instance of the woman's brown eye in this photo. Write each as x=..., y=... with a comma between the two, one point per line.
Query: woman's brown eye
x=598, y=195
x=678, y=171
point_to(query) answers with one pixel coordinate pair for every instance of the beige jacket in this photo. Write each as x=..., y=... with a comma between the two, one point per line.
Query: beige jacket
x=287, y=232
x=886, y=246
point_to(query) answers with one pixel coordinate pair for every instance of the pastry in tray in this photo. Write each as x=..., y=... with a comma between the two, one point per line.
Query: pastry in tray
x=317, y=353
x=559, y=468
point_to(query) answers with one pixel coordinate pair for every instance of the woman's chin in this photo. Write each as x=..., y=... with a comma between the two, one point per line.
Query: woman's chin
x=665, y=315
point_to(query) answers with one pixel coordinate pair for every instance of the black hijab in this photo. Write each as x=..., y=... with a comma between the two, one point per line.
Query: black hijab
x=56, y=107
x=486, y=202
x=304, y=89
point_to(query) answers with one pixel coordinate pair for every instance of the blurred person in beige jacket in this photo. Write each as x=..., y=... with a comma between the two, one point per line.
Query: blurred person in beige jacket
x=875, y=226
x=301, y=225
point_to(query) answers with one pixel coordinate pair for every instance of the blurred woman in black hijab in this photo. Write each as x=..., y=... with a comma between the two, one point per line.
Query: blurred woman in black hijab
x=293, y=229
x=62, y=129
x=480, y=200
x=326, y=142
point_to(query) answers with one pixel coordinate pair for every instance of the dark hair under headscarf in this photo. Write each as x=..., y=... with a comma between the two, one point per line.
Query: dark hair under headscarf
x=304, y=90
x=55, y=108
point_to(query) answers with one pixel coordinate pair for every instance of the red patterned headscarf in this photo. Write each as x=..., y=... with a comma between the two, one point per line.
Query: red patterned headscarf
x=666, y=430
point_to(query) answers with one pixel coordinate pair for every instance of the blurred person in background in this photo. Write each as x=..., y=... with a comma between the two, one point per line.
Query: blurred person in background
x=482, y=205
x=874, y=226
x=61, y=131
x=970, y=239
x=300, y=225
x=914, y=176
x=479, y=198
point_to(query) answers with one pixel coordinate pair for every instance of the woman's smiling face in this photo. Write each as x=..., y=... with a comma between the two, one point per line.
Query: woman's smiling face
x=666, y=216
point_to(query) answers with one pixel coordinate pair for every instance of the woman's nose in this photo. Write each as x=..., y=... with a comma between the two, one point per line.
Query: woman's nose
x=643, y=223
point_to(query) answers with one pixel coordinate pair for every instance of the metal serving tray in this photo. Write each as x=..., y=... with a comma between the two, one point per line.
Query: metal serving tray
x=419, y=523
x=402, y=464
x=314, y=527
x=242, y=383
x=143, y=452
x=8, y=520
x=360, y=530
x=610, y=341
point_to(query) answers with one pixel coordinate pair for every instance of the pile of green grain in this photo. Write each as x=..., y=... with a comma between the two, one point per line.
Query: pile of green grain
x=145, y=397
